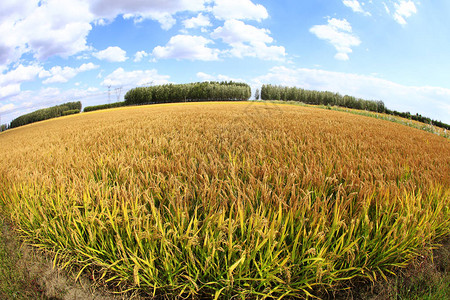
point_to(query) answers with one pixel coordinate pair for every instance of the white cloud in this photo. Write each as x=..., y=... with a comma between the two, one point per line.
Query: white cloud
x=20, y=74
x=161, y=11
x=112, y=54
x=7, y=107
x=10, y=82
x=339, y=34
x=239, y=10
x=138, y=56
x=386, y=8
x=7, y=56
x=247, y=40
x=208, y=77
x=187, y=47
x=60, y=28
x=63, y=32
x=165, y=19
x=60, y=75
x=428, y=101
x=343, y=24
x=13, y=8
x=341, y=56
x=195, y=22
x=235, y=31
x=87, y=67
x=403, y=10
x=205, y=77
x=356, y=7
x=120, y=77
x=92, y=89
x=28, y=101
x=9, y=90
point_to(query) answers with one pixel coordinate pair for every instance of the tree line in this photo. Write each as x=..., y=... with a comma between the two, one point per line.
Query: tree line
x=103, y=106
x=419, y=118
x=277, y=92
x=220, y=91
x=47, y=113
x=166, y=93
x=199, y=91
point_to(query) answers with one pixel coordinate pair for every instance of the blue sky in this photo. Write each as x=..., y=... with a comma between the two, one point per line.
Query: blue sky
x=56, y=51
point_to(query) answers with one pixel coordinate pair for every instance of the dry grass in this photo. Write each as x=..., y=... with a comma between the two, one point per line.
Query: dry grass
x=223, y=199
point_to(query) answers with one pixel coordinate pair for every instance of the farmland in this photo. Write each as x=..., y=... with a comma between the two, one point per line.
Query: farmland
x=223, y=199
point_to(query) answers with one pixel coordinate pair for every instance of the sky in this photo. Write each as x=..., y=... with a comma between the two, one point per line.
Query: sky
x=93, y=51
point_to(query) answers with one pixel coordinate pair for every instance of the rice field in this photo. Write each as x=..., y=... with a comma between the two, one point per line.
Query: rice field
x=224, y=200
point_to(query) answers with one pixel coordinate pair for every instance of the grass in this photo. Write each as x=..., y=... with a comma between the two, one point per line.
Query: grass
x=428, y=277
x=227, y=199
x=15, y=282
x=28, y=273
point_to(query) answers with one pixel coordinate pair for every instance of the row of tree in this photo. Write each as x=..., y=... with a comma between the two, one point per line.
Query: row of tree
x=47, y=113
x=276, y=92
x=199, y=91
x=103, y=106
x=419, y=118
x=220, y=91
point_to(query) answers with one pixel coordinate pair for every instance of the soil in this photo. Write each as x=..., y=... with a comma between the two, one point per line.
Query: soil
x=36, y=278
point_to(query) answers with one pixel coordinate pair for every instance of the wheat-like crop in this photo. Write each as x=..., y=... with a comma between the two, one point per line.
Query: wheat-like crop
x=224, y=199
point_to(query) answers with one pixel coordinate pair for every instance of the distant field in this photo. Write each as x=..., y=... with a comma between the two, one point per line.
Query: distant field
x=223, y=199
x=382, y=116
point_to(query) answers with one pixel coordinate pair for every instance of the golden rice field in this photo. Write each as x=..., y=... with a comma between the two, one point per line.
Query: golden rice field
x=226, y=199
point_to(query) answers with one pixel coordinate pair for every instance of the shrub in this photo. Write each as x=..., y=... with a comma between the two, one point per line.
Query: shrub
x=103, y=106
x=70, y=112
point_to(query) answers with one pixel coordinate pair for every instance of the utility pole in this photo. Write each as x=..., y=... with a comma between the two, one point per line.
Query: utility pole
x=109, y=94
x=118, y=93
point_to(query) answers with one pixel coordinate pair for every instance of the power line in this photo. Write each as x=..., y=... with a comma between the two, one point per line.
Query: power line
x=118, y=93
x=149, y=83
x=94, y=95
